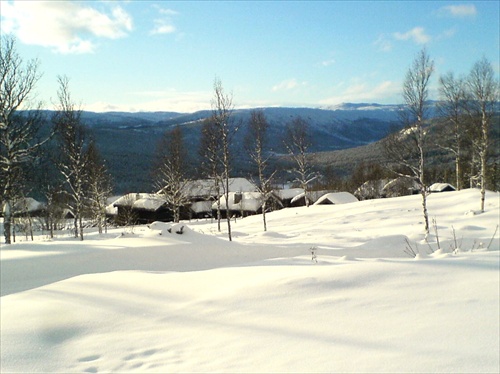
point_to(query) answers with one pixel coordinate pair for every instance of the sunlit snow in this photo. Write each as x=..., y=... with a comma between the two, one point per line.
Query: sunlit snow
x=145, y=299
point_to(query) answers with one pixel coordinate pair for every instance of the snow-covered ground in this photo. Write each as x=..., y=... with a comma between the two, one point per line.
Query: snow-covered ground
x=154, y=301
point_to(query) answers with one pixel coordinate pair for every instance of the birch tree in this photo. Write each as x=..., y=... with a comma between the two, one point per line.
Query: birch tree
x=256, y=143
x=210, y=152
x=484, y=91
x=453, y=109
x=297, y=142
x=74, y=159
x=171, y=171
x=49, y=183
x=18, y=131
x=222, y=108
x=98, y=186
x=407, y=149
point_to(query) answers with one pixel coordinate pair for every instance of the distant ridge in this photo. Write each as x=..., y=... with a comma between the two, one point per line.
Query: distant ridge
x=127, y=140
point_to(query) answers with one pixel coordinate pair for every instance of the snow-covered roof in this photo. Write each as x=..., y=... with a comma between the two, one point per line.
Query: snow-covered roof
x=337, y=198
x=402, y=182
x=27, y=205
x=440, y=187
x=206, y=187
x=143, y=201
x=128, y=199
x=201, y=206
x=111, y=210
x=153, y=202
x=249, y=202
x=312, y=196
x=288, y=193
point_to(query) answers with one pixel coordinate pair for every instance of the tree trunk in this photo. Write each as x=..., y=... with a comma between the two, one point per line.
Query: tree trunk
x=458, y=171
x=219, y=216
x=51, y=225
x=424, y=210
x=80, y=222
x=30, y=223
x=264, y=214
x=7, y=222
x=228, y=212
x=176, y=214
x=483, y=156
x=13, y=227
x=483, y=178
x=75, y=222
x=99, y=220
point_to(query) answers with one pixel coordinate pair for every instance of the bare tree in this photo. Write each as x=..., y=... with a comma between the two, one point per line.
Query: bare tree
x=171, y=172
x=222, y=108
x=54, y=208
x=484, y=91
x=407, y=149
x=48, y=181
x=99, y=186
x=18, y=131
x=453, y=109
x=297, y=142
x=256, y=142
x=210, y=152
x=74, y=158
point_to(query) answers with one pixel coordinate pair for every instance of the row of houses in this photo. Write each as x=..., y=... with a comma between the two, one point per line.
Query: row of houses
x=244, y=200
x=204, y=197
x=386, y=188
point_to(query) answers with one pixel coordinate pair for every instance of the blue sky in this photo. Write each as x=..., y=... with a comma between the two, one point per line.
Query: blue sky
x=165, y=55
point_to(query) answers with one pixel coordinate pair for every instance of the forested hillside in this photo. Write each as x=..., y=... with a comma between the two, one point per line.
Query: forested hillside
x=127, y=141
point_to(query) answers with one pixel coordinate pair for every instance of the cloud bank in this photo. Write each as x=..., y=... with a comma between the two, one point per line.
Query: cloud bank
x=364, y=92
x=287, y=85
x=163, y=23
x=459, y=11
x=417, y=35
x=66, y=27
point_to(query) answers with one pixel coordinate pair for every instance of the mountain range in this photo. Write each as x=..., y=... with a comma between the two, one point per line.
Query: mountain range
x=127, y=140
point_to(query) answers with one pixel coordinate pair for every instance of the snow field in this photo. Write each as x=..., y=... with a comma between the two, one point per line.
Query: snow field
x=153, y=301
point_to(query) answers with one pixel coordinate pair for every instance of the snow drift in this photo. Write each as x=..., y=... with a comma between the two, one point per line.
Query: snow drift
x=152, y=300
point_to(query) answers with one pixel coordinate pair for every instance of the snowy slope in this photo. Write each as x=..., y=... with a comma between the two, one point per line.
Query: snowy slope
x=154, y=301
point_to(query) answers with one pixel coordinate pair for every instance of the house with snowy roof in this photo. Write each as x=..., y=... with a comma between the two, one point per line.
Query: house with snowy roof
x=137, y=208
x=243, y=204
x=202, y=193
x=335, y=198
x=401, y=186
x=441, y=187
x=207, y=188
x=143, y=208
x=312, y=196
x=286, y=195
x=28, y=207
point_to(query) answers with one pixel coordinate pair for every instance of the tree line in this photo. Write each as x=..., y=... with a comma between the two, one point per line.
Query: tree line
x=467, y=107
x=215, y=155
x=71, y=173
x=74, y=175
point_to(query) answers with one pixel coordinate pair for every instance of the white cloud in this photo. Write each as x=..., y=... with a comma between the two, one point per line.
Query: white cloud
x=328, y=62
x=151, y=101
x=383, y=44
x=447, y=34
x=162, y=28
x=168, y=12
x=288, y=85
x=417, y=35
x=459, y=11
x=66, y=27
x=363, y=92
x=163, y=23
